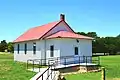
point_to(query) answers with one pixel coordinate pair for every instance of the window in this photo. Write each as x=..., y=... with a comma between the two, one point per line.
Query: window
x=76, y=50
x=51, y=51
x=25, y=48
x=18, y=48
x=34, y=48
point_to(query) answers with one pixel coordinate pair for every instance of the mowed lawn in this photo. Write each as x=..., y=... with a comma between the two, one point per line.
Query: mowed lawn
x=112, y=65
x=10, y=70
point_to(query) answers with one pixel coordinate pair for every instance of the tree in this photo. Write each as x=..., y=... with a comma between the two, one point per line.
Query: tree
x=118, y=35
x=92, y=34
x=99, y=45
x=10, y=47
x=3, y=45
x=111, y=48
x=82, y=33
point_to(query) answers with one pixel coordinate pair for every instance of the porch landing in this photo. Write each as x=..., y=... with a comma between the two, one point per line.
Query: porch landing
x=72, y=65
x=60, y=66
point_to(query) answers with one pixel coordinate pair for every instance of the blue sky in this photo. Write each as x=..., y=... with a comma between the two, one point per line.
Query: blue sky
x=101, y=16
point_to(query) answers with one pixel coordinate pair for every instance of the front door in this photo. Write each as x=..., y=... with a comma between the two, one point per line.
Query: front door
x=76, y=54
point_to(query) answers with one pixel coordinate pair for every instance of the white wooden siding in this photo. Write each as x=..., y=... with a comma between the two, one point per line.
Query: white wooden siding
x=24, y=57
x=62, y=47
x=60, y=27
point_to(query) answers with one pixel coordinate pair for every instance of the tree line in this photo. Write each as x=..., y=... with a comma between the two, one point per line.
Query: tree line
x=6, y=47
x=109, y=45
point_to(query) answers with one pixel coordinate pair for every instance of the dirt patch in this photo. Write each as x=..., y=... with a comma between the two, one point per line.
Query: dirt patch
x=4, y=67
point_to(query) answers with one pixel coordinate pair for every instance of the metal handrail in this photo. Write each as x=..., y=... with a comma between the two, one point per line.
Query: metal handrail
x=43, y=73
x=84, y=59
x=57, y=60
x=49, y=74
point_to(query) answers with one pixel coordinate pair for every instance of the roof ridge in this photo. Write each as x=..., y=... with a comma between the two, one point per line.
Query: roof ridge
x=44, y=24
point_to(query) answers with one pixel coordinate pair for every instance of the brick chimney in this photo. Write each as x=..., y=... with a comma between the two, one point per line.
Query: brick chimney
x=62, y=17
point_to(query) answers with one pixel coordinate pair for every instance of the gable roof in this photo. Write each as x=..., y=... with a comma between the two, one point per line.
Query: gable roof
x=41, y=31
x=66, y=34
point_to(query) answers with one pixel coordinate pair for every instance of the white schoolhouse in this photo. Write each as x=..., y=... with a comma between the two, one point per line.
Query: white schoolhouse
x=51, y=40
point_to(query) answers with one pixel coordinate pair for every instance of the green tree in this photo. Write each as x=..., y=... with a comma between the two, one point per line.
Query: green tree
x=111, y=48
x=3, y=45
x=10, y=47
x=92, y=34
x=82, y=33
x=118, y=36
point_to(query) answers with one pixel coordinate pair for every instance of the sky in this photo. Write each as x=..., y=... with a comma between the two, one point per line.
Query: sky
x=100, y=16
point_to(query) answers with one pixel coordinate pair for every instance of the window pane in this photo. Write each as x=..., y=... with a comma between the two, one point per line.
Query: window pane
x=18, y=48
x=34, y=48
x=76, y=50
x=25, y=48
x=51, y=51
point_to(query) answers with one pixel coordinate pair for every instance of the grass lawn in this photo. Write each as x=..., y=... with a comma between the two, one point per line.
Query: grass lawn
x=112, y=65
x=84, y=76
x=10, y=70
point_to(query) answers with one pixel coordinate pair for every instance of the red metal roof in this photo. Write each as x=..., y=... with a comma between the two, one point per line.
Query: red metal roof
x=36, y=32
x=40, y=32
x=66, y=34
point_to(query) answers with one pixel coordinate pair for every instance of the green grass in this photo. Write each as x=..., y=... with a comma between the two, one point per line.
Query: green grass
x=10, y=70
x=112, y=65
x=84, y=76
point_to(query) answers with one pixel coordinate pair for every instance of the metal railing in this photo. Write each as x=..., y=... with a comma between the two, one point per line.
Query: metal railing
x=65, y=60
x=51, y=74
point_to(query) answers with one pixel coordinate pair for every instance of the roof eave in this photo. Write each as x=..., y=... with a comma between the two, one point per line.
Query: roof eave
x=70, y=38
